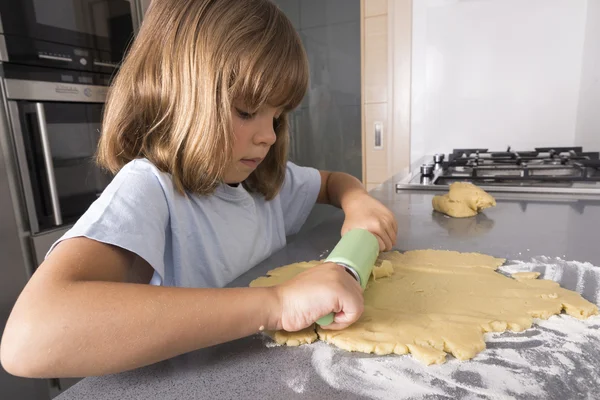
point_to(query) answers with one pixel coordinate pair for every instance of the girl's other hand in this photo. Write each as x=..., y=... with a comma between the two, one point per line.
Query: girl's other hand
x=363, y=211
x=317, y=292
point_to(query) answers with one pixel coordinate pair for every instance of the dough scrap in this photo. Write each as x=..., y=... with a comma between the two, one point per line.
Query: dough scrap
x=305, y=336
x=384, y=270
x=463, y=200
x=520, y=276
x=438, y=302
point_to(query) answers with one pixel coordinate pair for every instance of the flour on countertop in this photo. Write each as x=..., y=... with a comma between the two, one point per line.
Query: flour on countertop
x=270, y=343
x=582, y=277
x=555, y=359
x=297, y=382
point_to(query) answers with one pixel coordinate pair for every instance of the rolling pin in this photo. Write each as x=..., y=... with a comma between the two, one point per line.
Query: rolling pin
x=357, y=252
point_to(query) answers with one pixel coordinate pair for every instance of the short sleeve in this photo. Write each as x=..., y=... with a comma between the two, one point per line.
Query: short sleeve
x=132, y=213
x=298, y=195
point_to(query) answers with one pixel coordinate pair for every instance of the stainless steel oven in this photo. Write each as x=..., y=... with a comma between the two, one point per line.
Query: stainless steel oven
x=58, y=57
x=55, y=131
x=77, y=34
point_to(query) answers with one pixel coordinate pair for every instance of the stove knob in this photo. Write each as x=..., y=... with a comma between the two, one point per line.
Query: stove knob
x=438, y=158
x=427, y=170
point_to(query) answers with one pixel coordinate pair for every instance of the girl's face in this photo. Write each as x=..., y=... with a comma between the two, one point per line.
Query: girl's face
x=254, y=135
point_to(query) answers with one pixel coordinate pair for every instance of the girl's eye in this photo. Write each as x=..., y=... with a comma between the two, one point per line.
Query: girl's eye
x=243, y=114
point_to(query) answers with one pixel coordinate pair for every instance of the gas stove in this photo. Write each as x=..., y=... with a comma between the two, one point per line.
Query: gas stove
x=541, y=170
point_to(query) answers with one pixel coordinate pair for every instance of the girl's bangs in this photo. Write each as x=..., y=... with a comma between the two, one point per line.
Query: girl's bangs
x=276, y=75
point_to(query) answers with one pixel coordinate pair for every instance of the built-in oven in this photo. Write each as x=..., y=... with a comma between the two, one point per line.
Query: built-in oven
x=90, y=35
x=58, y=57
x=55, y=117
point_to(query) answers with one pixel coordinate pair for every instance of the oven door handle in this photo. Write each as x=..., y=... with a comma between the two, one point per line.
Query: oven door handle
x=43, y=126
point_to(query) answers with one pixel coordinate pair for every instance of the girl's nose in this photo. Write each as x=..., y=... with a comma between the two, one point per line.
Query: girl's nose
x=266, y=135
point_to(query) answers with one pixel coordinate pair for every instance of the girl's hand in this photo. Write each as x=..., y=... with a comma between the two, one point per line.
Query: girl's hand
x=315, y=293
x=363, y=211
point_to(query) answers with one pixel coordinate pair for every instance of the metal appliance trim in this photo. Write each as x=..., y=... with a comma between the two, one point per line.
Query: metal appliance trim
x=7, y=142
x=3, y=49
x=405, y=184
x=136, y=15
x=55, y=58
x=22, y=165
x=17, y=89
x=41, y=117
x=504, y=189
x=42, y=242
x=105, y=64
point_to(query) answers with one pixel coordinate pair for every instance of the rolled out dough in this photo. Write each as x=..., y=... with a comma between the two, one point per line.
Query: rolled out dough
x=463, y=200
x=437, y=302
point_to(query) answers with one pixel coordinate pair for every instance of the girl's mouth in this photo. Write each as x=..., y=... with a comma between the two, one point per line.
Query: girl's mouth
x=251, y=162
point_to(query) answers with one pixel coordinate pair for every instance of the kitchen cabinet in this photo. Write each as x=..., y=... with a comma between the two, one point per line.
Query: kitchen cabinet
x=386, y=74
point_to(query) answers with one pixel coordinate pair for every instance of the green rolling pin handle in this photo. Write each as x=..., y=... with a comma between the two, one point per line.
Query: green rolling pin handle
x=328, y=319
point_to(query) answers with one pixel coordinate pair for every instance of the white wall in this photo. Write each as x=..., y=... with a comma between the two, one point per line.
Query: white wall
x=494, y=73
x=588, y=119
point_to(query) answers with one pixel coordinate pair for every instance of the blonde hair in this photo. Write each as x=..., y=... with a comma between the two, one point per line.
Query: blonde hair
x=171, y=100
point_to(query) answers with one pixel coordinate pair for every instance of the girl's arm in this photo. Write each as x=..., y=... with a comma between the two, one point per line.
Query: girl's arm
x=362, y=211
x=81, y=315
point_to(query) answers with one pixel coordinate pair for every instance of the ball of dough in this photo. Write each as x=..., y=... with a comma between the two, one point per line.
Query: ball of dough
x=463, y=200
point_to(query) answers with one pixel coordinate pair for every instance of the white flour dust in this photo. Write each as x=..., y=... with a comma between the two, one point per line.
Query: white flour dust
x=581, y=277
x=555, y=359
x=323, y=254
x=297, y=382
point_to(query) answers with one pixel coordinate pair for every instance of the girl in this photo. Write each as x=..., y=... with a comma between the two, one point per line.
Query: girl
x=196, y=130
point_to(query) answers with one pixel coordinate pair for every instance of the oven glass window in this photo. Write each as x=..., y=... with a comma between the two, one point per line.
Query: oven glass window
x=94, y=17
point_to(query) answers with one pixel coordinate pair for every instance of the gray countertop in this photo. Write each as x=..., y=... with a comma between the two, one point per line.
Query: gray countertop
x=556, y=235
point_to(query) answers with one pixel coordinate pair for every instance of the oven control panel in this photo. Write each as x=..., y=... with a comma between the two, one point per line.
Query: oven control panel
x=24, y=51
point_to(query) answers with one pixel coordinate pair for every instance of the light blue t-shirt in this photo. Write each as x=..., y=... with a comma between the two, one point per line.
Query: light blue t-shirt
x=196, y=241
